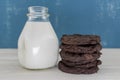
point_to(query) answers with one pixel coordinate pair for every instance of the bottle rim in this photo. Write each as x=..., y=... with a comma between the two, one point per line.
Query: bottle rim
x=38, y=9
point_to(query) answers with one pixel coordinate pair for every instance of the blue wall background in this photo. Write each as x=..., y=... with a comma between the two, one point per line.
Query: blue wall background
x=101, y=17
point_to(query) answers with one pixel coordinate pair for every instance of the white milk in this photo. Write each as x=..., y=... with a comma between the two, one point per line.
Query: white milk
x=38, y=46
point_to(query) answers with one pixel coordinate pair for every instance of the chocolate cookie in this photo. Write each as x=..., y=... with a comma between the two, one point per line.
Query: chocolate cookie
x=74, y=70
x=72, y=57
x=81, y=49
x=78, y=39
x=86, y=65
x=78, y=63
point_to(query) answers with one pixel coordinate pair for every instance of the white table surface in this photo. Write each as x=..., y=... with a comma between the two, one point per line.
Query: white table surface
x=11, y=70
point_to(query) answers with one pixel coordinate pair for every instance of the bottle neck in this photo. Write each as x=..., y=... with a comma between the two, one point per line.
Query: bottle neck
x=38, y=13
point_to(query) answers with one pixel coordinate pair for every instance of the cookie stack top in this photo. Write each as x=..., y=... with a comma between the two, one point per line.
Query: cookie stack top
x=78, y=39
x=84, y=43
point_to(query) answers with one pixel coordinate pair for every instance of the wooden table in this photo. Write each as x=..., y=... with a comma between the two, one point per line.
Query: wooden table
x=11, y=70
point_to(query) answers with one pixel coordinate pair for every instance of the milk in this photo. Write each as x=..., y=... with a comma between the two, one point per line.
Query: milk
x=38, y=46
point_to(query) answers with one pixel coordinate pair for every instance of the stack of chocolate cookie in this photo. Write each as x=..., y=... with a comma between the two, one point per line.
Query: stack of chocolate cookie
x=80, y=54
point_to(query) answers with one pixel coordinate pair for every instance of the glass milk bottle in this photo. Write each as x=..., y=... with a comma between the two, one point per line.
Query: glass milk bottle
x=38, y=44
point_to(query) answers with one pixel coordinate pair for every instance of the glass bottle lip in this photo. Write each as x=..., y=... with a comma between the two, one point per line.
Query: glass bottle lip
x=38, y=9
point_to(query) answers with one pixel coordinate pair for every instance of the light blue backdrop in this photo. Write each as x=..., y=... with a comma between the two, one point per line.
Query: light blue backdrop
x=101, y=17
